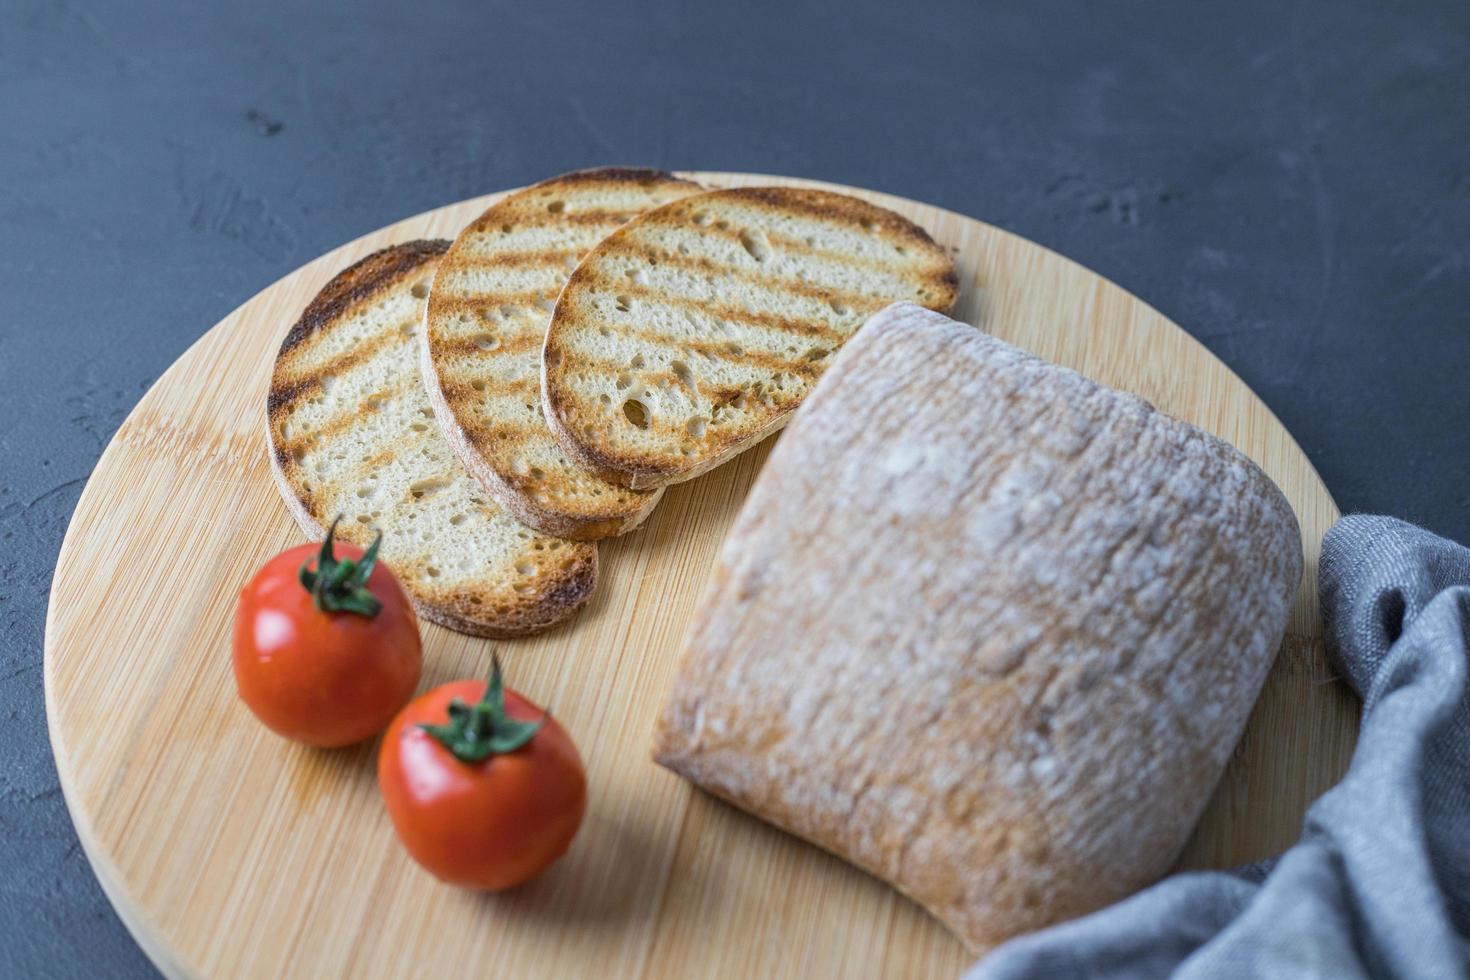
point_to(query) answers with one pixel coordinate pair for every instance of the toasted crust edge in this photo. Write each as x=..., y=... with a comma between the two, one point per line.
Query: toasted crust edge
x=553, y=608
x=356, y=284
x=592, y=526
x=554, y=522
x=634, y=476
x=640, y=475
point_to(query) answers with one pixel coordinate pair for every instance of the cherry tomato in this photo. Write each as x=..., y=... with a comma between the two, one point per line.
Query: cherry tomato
x=484, y=789
x=326, y=650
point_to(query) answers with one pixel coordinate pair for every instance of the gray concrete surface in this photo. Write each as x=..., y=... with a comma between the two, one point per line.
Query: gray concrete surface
x=1290, y=181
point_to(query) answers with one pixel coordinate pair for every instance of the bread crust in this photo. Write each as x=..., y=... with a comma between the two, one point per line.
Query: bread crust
x=993, y=643
x=511, y=258
x=490, y=608
x=798, y=268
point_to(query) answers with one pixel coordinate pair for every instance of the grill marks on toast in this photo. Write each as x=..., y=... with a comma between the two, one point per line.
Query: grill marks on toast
x=695, y=330
x=545, y=258
x=507, y=305
x=720, y=313
x=347, y=360
x=352, y=433
x=489, y=306
x=473, y=344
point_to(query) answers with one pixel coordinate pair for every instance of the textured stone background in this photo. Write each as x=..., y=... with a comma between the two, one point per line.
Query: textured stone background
x=1288, y=181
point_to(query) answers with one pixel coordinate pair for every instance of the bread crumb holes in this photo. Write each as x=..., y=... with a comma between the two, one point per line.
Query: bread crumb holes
x=755, y=244
x=636, y=413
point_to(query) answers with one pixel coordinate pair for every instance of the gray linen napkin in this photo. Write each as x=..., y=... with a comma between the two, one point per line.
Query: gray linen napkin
x=1379, y=885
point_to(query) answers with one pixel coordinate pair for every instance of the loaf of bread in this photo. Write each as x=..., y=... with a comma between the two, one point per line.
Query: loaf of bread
x=985, y=628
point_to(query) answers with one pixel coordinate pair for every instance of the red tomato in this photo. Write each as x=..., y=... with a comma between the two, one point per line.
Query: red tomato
x=497, y=804
x=318, y=668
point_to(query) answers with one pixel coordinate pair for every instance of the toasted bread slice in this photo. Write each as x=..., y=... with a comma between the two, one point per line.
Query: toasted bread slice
x=489, y=307
x=351, y=433
x=691, y=334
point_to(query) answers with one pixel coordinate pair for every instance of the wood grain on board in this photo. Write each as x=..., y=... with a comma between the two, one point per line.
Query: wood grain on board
x=229, y=852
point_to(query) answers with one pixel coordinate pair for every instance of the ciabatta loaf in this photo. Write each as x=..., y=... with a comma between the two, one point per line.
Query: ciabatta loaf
x=488, y=310
x=689, y=335
x=351, y=433
x=985, y=628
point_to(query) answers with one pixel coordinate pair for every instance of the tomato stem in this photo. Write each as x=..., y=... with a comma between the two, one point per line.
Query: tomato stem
x=341, y=586
x=477, y=731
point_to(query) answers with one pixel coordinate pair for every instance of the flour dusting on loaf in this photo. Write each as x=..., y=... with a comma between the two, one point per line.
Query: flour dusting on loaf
x=985, y=628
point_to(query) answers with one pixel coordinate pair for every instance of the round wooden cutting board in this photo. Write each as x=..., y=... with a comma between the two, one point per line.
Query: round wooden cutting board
x=230, y=852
